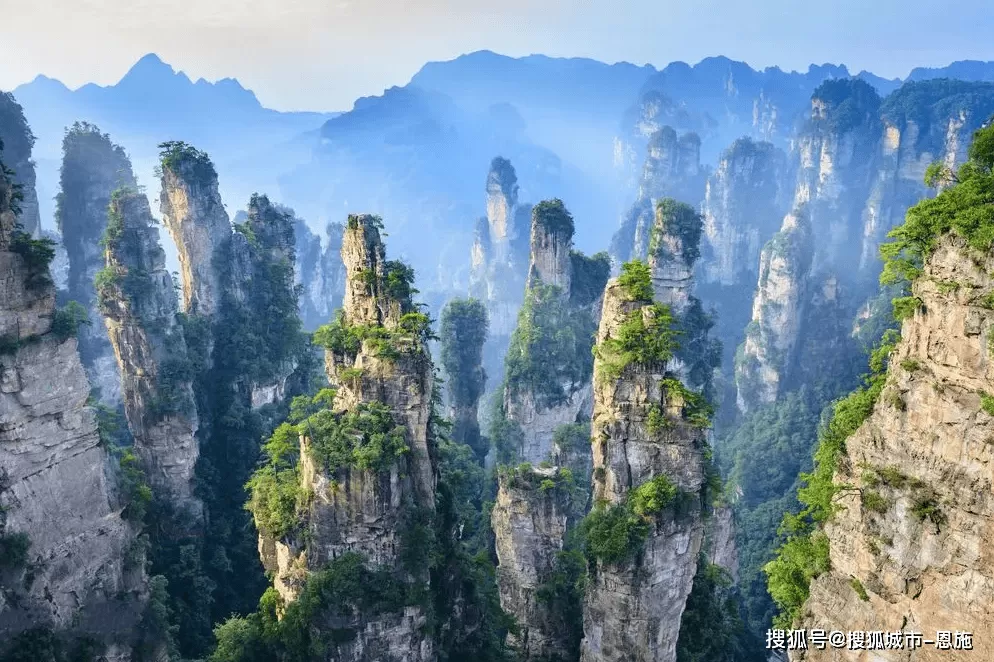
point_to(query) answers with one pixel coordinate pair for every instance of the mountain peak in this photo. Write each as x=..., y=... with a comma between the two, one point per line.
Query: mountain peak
x=149, y=67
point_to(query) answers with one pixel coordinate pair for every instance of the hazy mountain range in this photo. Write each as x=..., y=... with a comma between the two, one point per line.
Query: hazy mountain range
x=418, y=154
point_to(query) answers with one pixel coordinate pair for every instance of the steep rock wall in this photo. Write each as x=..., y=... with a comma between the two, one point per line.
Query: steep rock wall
x=139, y=309
x=912, y=527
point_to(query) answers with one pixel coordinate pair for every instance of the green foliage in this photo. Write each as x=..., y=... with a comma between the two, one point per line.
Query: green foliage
x=656, y=421
x=13, y=549
x=277, y=495
x=679, y=220
x=927, y=508
x=910, y=365
x=549, y=354
x=646, y=337
x=553, y=216
x=928, y=103
x=905, y=307
x=858, y=587
x=365, y=437
x=66, y=321
x=177, y=156
x=652, y=496
x=874, y=501
x=347, y=339
x=636, y=281
x=462, y=334
x=987, y=403
x=696, y=409
x=850, y=102
x=398, y=279
x=562, y=592
x=41, y=644
x=799, y=560
x=711, y=629
x=590, y=275
x=964, y=209
x=613, y=534
x=135, y=492
x=37, y=255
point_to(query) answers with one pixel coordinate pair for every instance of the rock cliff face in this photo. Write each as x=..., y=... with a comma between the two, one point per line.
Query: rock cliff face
x=139, y=306
x=65, y=542
x=743, y=202
x=778, y=309
x=548, y=365
x=499, y=253
x=837, y=152
x=92, y=168
x=463, y=333
x=319, y=270
x=923, y=122
x=672, y=169
x=908, y=545
x=193, y=213
x=530, y=518
x=366, y=507
x=17, y=140
x=634, y=603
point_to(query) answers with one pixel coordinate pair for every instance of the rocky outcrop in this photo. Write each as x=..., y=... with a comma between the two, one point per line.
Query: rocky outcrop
x=778, y=311
x=499, y=255
x=139, y=306
x=548, y=365
x=908, y=542
x=530, y=519
x=320, y=273
x=366, y=507
x=744, y=201
x=837, y=152
x=66, y=546
x=193, y=213
x=642, y=443
x=463, y=332
x=923, y=122
x=92, y=168
x=672, y=169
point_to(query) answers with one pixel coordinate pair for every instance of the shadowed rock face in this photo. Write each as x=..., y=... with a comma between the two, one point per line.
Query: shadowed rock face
x=633, y=608
x=140, y=313
x=913, y=529
x=92, y=168
x=320, y=273
x=365, y=511
x=57, y=486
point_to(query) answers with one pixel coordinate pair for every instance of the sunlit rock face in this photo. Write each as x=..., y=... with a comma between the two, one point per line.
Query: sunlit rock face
x=745, y=199
x=633, y=608
x=907, y=544
x=139, y=310
x=366, y=511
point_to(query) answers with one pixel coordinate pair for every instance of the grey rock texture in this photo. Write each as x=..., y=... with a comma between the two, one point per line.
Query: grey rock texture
x=744, y=201
x=632, y=610
x=364, y=511
x=140, y=314
x=57, y=485
x=777, y=312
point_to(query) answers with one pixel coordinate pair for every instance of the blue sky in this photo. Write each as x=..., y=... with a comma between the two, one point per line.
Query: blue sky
x=322, y=54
